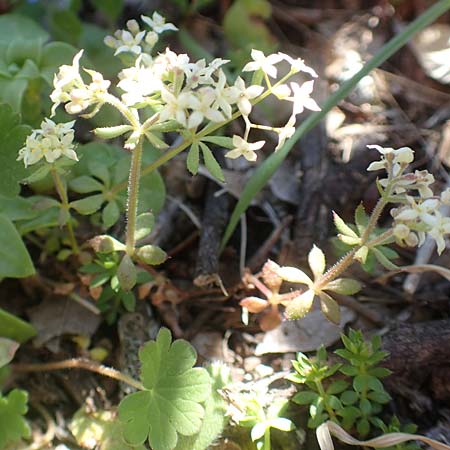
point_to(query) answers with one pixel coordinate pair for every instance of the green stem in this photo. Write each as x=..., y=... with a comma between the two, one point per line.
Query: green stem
x=62, y=192
x=133, y=195
x=126, y=112
x=323, y=394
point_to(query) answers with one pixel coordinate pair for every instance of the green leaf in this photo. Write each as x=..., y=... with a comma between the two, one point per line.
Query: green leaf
x=65, y=26
x=349, y=397
x=151, y=254
x=106, y=244
x=345, y=286
x=347, y=370
x=144, y=225
x=100, y=429
x=379, y=372
x=210, y=162
x=88, y=205
x=379, y=397
x=13, y=425
x=126, y=273
x=361, y=383
x=342, y=227
x=110, y=214
x=193, y=158
x=171, y=402
x=15, y=261
x=349, y=414
x=381, y=258
x=112, y=132
x=129, y=301
x=330, y=308
x=363, y=427
x=336, y=387
x=13, y=137
x=85, y=185
x=17, y=208
x=365, y=407
x=316, y=261
x=361, y=254
x=361, y=218
x=16, y=27
x=8, y=349
x=305, y=397
x=222, y=141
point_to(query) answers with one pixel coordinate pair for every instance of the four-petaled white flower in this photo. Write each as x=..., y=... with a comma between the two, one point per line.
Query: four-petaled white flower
x=241, y=95
x=298, y=65
x=302, y=97
x=396, y=157
x=264, y=63
x=439, y=227
x=175, y=107
x=158, y=23
x=201, y=107
x=286, y=132
x=130, y=43
x=244, y=148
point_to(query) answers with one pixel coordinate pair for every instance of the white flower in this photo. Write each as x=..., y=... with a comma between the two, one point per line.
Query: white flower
x=201, y=106
x=137, y=82
x=244, y=148
x=298, y=65
x=242, y=95
x=440, y=226
x=175, y=107
x=158, y=23
x=302, y=97
x=286, y=132
x=128, y=42
x=65, y=80
x=264, y=63
x=397, y=157
x=417, y=210
x=223, y=99
x=49, y=142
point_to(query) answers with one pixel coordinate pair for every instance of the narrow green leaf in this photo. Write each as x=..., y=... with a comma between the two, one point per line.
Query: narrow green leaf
x=88, y=205
x=381, y=258
x=210, y=162
x=126, y=273
x=344, y=286
x=342, y=227
x=305, y=397
x=110, y=214
x=14, y=328
x=85, y=185
x=193, y=158
x=361, y=219
x=222, y=141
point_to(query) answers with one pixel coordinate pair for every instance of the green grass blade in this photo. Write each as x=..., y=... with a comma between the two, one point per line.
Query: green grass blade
x=271, y=164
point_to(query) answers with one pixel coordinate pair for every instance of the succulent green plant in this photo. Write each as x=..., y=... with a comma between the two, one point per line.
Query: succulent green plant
x=354, y=401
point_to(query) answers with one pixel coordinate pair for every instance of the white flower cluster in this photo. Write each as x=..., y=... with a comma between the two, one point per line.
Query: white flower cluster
x=182, y=94
x=137, y=41
x=51, y=141
x=418, y=214
x=70, y=88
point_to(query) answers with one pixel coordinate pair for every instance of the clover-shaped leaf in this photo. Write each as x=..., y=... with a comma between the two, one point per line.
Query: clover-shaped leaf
x=13, y=426
x=170, y=405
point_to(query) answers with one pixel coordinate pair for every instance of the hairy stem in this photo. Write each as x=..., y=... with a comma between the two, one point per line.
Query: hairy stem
x=62, y=192
x=79, y=363
x=133, y=196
